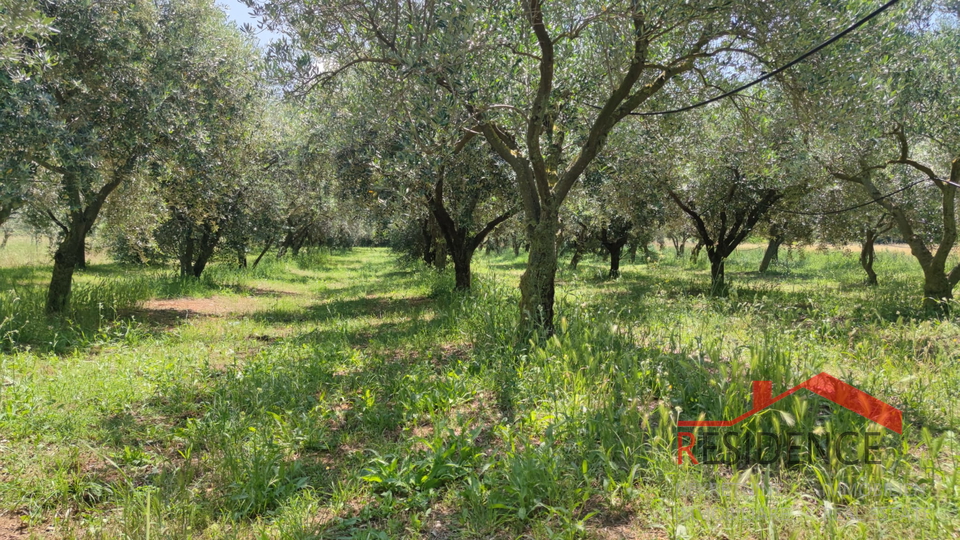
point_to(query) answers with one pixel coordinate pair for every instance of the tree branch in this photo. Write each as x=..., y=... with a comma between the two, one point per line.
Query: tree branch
x=49, y=166
x=538, y=109
x=57, y=222
x=480, y=236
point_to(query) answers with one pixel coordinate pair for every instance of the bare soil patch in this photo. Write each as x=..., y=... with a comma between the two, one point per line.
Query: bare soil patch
x=12, y=528
x=170, y=311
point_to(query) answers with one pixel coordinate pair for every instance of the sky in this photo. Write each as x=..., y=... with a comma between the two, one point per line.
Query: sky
x=239, y=13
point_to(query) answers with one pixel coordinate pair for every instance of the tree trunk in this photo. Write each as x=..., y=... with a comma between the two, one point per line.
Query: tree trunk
x=297, y=245
x=615, y=250
x=266, y=248
x=440, y=260
x=538, y=282
x=71, y=248
x=82, y=256
x=937, y=290
x=772, y=253
x=577, y=255
x=208, y=243
x=428, y=254
x=695, y=252
x=6, y=237
x=5, y=212
x=285, y=244
x=679, y=244
x=633, y=252
x=459, y=243
x=717, y=271
x=461, y=268
x=186, y=255
x=867, y=257
x=241, y=258
x=64, y=263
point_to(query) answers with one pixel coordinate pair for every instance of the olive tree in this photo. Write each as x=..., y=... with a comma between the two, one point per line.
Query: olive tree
x=204, y=168
x=741, y=164
x=849, y=215
x=785, y=227
x=427, y=160
x=545, y=84
x=129, y=79
x=891, y=119
x=619, y=203
x=106, y=93
x=292, y=194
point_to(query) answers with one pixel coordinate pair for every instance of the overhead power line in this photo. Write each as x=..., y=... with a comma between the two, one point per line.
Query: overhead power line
x=861, y=205
x=777, y=71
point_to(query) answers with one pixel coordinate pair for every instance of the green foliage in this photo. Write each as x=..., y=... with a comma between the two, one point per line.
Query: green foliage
x=23, y=28
x=448, y=457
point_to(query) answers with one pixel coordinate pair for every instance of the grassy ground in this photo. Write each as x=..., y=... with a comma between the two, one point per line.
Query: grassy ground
x=345, y=395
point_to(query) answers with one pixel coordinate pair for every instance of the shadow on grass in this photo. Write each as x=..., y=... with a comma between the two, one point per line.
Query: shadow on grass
x=307, y=386
x=376, y=306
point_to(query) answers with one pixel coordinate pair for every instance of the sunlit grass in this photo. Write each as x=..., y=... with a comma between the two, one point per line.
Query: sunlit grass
x=345, y=396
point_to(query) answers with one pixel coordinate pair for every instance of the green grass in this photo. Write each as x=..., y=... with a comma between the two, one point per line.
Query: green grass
x=342, y=395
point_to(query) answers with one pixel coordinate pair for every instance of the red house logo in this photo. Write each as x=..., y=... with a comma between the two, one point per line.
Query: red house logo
x=821, y=384
x=824, y=385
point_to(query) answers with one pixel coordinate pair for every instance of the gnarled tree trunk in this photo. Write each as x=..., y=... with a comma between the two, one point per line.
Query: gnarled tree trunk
x=266, y=248
x=679, y=244
x=717, y=274
x=867, y=251
x=736, y=221
x=577, y=255
x=186, y=255
x=207, y=245
x=615, y=253
x=613, y=238
x=695, y=252
x=538, y=282
x=65, y=261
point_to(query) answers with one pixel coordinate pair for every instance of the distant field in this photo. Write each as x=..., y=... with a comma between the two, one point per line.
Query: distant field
x=346, y=395
x=25, y=250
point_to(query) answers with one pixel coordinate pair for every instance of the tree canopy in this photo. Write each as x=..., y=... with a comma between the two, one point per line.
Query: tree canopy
x=429, y=125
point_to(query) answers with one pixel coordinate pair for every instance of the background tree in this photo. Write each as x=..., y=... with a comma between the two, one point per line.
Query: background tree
x=677, y=228
x=794, y=227
x=205, y=173
x=739, y=166
x=621, y=204
x=893, y=106
x=429, y=160
x=864, y=224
